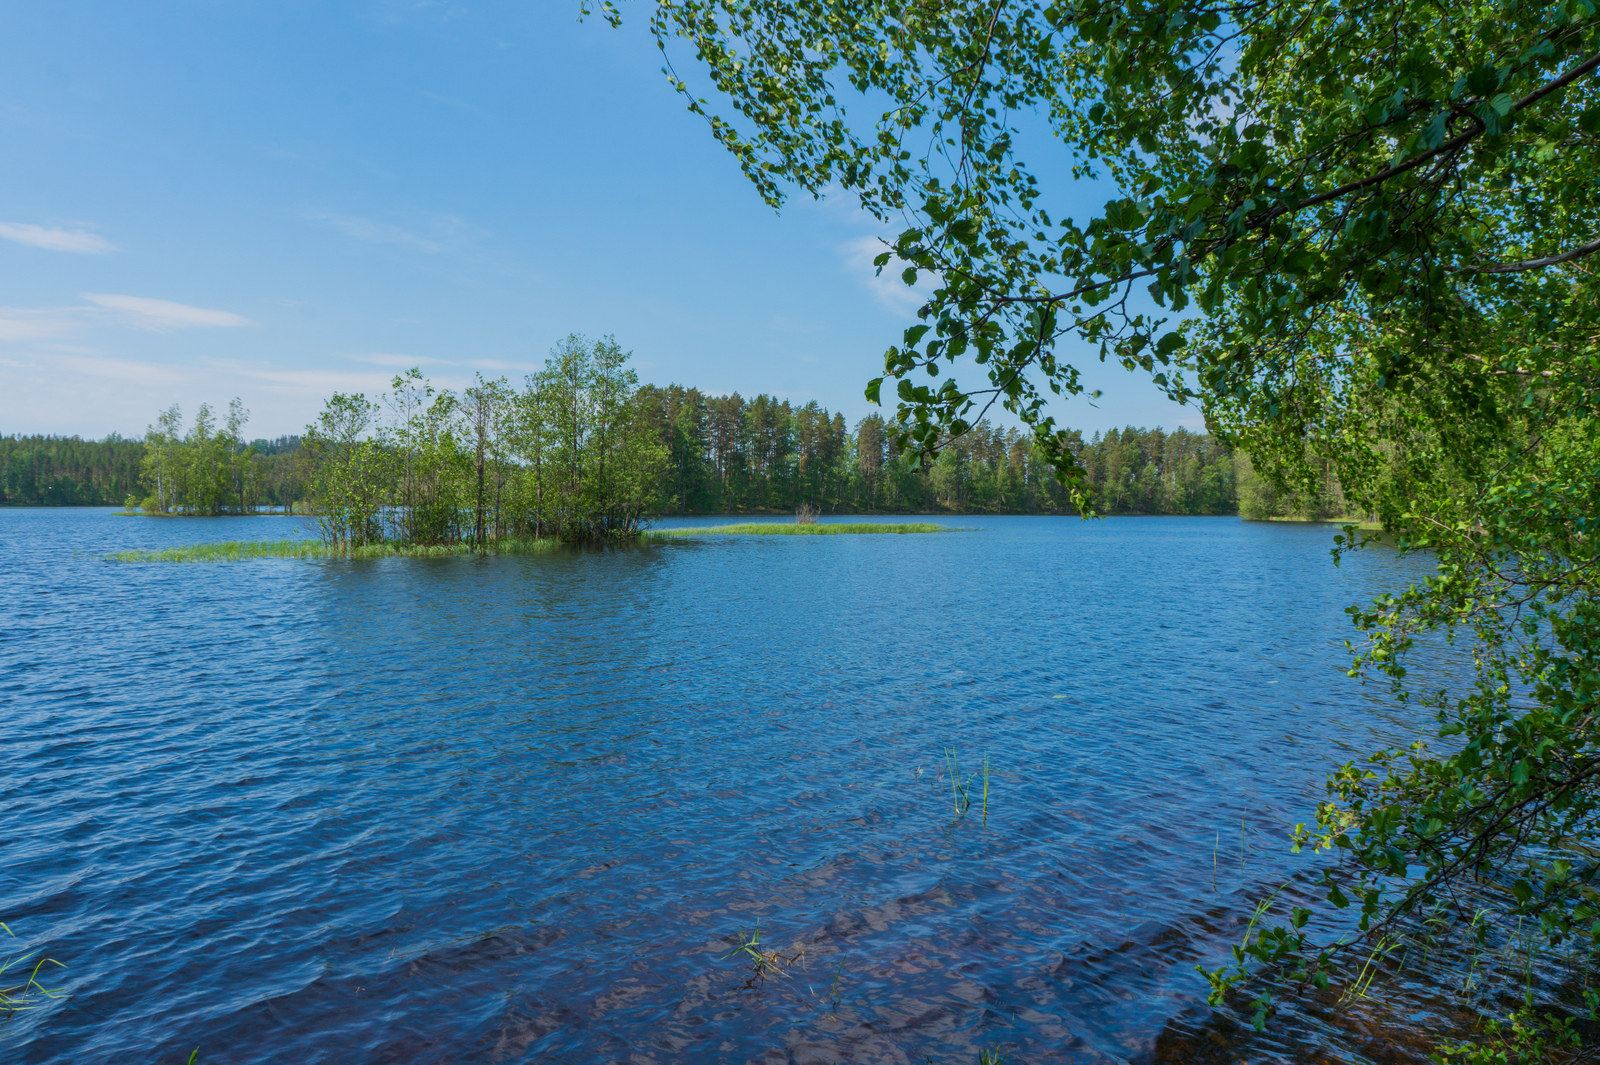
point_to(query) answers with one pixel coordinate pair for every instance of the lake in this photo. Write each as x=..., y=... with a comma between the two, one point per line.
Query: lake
x=522, y=809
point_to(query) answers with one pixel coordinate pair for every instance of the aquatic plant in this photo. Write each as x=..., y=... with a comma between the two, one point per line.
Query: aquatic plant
x=961, y=787
x=805, y=514
x=815, y=529
x=1526, y=1037
x=764, y=961
x=30, y=994
x=242, y=550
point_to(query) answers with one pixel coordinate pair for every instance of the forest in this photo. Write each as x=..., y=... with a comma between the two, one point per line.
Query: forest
x=583, y=451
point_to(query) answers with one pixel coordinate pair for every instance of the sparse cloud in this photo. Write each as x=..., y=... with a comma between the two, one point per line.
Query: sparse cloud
x=838, y=205
x=307, y=383
x=399, y=362
x=374, y=232
x=405, y=362
x=23, y=324
x=106, y=367
x=160, y=315
x=520, y=367
x=54, y=239
x=887, y=287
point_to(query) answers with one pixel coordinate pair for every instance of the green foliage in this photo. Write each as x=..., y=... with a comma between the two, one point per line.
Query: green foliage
x=961, y=786
x=1319, y=498
x=763, y=961
x=582, y=453
x=209, y=470
x=244, y=550
x=30, y=993
x=67, y=471
x=349, y=471
x=727, y=454
x=568, y=456
x=1526, y=1037
x=1293, y=165
x=605, y=465
x=724, y=454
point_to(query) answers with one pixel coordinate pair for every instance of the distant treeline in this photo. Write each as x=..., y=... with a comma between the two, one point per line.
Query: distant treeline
x=730, y=455
x=1135, y=471
x=67, y=471
x=683, y=453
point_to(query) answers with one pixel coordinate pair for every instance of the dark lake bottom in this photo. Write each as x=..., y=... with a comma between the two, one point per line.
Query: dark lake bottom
x=521, y=809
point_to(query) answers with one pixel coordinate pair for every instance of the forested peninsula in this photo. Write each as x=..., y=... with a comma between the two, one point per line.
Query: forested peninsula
x=718, y=455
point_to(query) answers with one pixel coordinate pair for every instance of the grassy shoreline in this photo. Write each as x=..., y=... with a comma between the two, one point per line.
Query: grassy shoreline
x=785, y=529
x=244, y=550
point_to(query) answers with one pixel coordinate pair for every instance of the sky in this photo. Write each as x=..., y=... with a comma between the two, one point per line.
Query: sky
x=279, y=199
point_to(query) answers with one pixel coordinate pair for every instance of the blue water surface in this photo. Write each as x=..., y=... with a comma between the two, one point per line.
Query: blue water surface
x=521, y=809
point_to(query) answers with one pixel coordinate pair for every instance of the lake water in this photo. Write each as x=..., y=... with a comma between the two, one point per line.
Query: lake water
x=520, y=809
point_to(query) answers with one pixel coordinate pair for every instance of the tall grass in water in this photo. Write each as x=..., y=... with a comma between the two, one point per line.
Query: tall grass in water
x=243, y=550
x=813, y=529
x=764, y=961
x=30, y=994
x=961, y=787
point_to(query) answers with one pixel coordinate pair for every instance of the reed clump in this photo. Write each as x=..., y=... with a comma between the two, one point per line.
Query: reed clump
x=765, y=961
x=813, y=529
x=30, y=993
x=961, y=786
x=245, y=550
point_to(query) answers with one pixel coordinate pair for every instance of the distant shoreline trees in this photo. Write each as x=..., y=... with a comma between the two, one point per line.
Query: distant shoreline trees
x=582, y=451
x=730, y=455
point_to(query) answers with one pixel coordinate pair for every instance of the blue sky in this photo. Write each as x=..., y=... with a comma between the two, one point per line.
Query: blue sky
x=276, y=199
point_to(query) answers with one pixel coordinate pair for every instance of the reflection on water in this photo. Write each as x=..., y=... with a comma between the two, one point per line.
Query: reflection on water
x=520, y=809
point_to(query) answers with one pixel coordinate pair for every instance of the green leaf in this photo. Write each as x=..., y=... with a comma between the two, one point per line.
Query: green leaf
x=964, y=230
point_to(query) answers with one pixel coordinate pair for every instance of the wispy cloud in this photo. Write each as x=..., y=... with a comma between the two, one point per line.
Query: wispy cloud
x=887, y=287
x=399, y=362
x=54, y=239
x=839, y=206
x=405, y=362
x=311, y=383
x=145, y=313
x=105, y=367
x=518, y=367
x=374, y=232
x=18, y=323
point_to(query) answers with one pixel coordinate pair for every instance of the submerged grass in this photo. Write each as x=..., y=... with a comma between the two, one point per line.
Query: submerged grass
x=243, y=550
x=755, y=528
x=30, y=993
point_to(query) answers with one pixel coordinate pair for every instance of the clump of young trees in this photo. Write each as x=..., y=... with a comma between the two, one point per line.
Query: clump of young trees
x=567, y=456
x=208, y=470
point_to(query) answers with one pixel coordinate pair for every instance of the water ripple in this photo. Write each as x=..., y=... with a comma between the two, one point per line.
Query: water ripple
x=519, y=809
